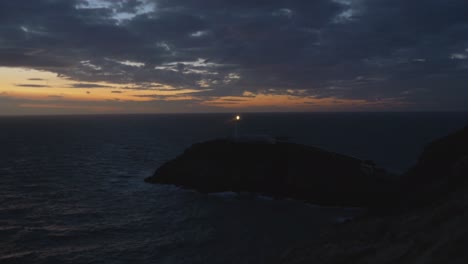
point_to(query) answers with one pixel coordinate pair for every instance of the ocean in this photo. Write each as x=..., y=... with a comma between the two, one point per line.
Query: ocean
x=72, y=189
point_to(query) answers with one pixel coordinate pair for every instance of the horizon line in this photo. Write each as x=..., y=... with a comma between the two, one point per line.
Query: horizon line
x=233, y=113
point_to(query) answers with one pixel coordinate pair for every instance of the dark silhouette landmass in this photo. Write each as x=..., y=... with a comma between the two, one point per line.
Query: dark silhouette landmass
x=283, y=169
x=435, y=230
x=439, y=170
x=278, y=169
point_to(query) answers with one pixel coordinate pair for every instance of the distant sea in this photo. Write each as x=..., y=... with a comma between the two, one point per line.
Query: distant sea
x=72, y=190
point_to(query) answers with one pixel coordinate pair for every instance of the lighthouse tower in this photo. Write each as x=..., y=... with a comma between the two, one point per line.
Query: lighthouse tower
x=236, y=124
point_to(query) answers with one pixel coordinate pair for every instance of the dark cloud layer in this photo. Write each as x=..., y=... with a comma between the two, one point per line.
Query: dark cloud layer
x=89, y=85
x=32, y=85
x=412, y=51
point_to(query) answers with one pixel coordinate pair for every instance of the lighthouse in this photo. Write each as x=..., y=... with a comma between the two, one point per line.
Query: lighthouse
x=236, y=124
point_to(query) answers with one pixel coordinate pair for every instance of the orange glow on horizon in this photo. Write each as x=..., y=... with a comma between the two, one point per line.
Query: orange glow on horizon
x=293, y=102
x=34, y=89
x=21, y=83
x=109, y=109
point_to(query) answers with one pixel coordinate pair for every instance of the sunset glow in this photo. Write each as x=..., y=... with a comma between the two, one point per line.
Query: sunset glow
x=36, y=90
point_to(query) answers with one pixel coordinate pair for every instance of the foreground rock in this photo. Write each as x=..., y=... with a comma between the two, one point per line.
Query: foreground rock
x=436, y=231
x=430, y=235
x=439, y=170
x=278, y=169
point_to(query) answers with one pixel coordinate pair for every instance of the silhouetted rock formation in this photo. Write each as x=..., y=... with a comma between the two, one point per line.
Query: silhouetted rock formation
x=434, y=233
x=278, y=169
x=439, y=170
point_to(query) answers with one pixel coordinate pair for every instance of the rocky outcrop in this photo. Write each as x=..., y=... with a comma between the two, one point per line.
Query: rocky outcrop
x=440, y=157
x=438, y=171
x=432, y=234
x=434, y=231
x=278, y=169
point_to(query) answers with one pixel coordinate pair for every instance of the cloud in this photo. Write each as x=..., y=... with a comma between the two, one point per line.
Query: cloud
x=346, y=49
x=25, y=57
x=56, y=96
x=31, y=85
x=88, y=85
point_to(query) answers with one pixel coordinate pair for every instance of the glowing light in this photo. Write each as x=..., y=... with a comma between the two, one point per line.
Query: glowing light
x=238, y=117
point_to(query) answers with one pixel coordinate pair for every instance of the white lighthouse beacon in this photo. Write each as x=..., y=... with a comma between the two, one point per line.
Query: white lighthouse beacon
x=236, y=124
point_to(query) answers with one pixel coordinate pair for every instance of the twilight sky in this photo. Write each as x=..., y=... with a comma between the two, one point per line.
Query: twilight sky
x=151, y=56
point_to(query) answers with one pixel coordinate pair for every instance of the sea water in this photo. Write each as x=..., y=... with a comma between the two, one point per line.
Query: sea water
x=72, y=189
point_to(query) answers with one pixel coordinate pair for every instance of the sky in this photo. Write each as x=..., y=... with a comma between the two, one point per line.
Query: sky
x=190, y=56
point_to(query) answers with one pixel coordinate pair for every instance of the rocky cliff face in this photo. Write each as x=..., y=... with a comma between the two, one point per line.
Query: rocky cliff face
x=435, y=230
x=432, y=234
x=438, y=171
x=280, y=170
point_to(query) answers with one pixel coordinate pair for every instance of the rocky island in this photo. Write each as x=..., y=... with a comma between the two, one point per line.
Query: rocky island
x=278, y=169
x=289, y=170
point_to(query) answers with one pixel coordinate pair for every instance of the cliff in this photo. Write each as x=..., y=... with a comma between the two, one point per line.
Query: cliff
x=435, y=230
x=438, y=171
